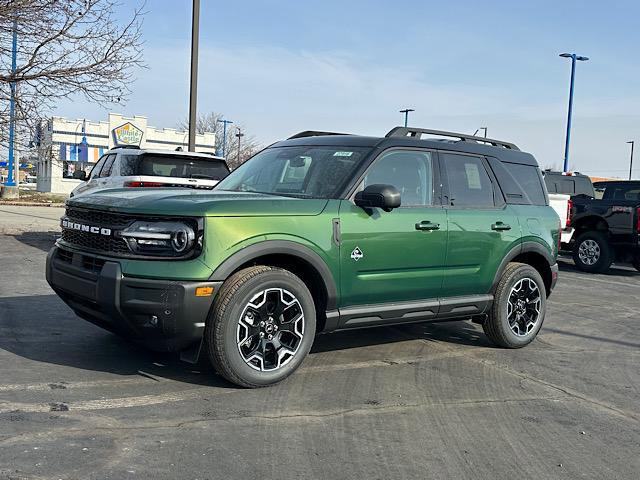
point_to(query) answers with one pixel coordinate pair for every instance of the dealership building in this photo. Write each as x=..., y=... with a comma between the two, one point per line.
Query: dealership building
x=68, y=146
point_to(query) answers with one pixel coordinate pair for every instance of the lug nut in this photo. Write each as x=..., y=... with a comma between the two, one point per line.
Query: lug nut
x=262, y=324
x=275, y=327
x=261, y=334
x=270, y=337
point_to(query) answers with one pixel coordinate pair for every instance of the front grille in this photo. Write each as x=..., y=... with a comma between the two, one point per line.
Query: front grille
x=97, y=217
x=91, y=241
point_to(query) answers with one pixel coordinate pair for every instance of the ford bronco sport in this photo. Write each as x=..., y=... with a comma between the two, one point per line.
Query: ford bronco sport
x=318, y=233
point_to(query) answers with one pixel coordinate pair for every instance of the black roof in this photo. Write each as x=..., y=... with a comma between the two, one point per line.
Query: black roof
x=506, y=152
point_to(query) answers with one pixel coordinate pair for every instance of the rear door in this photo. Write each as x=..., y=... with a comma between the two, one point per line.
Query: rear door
x=395, y=256
x=482, y=228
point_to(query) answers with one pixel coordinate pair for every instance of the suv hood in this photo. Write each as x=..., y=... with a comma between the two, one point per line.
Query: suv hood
x=177, y=201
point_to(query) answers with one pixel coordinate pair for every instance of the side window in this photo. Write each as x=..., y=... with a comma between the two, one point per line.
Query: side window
x=529, y=179
x=95, y=171
x=469, y=182
x=108, y=166
x=411, y=172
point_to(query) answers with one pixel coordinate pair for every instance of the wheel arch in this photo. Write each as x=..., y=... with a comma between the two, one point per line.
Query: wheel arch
x=590, y=222
x=295, y=257
x=533, y=254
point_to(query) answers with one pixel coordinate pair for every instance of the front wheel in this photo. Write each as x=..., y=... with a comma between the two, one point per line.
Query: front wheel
x=518, y=309
x=262, y=326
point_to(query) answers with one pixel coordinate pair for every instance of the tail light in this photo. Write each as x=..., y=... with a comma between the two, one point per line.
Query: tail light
x=143, y=184
x=569, y=212
x=559, y=235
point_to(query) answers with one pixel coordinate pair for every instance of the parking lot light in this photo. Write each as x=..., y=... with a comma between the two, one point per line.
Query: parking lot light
x=573, y=58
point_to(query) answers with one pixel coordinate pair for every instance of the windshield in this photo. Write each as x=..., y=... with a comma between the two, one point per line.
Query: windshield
x=179, y=166
x=307, y=171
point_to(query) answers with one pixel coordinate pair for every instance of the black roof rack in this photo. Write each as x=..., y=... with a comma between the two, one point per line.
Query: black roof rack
x=134, y=147
x=313, y=133
x=463, y=137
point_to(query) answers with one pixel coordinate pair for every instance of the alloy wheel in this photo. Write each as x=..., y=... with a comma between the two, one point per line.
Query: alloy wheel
x=523, y=307
x=589, y=252
x=270, y=329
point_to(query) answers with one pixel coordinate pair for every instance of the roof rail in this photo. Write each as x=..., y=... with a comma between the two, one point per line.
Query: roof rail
x=313, y=133
x=133, y=147
x=463, y=137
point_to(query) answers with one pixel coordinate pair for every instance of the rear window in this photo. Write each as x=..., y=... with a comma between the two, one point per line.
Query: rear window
x=528, y=177
x=569, y=185
x=177, y=166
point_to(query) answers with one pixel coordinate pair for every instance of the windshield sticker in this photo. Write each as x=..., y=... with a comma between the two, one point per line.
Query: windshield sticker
x=343, y=154
x=473, y=176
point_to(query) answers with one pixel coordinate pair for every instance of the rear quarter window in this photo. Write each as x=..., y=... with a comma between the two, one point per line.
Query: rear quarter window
x=530, y=180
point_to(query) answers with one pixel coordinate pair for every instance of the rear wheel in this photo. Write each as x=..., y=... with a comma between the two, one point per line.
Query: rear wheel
x=262, y=327
x=592, y=252
x=518, y=308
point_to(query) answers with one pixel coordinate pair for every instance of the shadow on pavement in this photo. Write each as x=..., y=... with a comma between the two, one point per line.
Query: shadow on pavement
x=617, y=270
x=40, y=240
x=44, y=329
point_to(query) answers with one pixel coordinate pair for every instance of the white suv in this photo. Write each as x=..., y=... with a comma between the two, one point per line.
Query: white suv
x=133, y=167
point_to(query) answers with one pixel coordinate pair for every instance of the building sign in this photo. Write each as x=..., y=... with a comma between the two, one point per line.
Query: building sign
x=127, y=134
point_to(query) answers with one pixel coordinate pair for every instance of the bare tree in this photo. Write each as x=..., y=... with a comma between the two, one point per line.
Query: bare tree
x=65, y=48
x=210, y=122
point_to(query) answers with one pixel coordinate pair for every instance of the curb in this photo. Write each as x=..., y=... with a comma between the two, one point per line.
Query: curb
x=31, y=204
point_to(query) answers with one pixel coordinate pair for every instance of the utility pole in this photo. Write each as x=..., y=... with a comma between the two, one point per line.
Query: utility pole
x=12, y=178
x=573, y=58
x=239, y=135
x=632, y=142
x=224, y=135
x=193, y=90
x=406, y=115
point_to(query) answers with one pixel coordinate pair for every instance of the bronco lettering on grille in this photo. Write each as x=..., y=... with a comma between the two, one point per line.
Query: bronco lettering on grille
x=85, y=228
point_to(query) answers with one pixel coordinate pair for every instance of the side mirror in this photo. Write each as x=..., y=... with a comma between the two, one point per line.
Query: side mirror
x=80, y=175
x=386, y=197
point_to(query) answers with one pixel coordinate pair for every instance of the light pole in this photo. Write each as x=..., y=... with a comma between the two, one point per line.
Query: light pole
x=573, y=58
x=193, y=88
x=224, y=135
x=632, y=142
x=481, y=128
x=13, y=170
x=239, y=135
x=406, y=115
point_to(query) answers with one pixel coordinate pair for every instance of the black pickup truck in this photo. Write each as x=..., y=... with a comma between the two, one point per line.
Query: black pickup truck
x=607, y=227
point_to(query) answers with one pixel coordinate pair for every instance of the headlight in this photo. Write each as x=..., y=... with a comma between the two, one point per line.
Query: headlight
x=160, y=239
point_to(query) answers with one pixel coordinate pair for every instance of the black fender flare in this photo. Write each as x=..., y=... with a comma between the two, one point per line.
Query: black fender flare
x=280, y=247
x=525, y=247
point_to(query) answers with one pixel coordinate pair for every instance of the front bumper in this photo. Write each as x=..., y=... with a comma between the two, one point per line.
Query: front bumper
x=163, y=315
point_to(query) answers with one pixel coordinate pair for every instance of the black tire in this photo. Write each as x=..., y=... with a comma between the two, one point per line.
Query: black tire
x=601, y=253
x=498, y=326
x=233, y=302
x=636, y=264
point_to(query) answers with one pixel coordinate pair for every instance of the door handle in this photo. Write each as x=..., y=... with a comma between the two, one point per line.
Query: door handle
x=426, y=225
x=499, y=227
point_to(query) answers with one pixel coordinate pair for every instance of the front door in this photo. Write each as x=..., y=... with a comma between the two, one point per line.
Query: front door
x=395, y=256
x=482, y=228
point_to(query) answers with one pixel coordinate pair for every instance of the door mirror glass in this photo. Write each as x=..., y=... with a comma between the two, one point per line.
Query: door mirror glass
x=386, y=197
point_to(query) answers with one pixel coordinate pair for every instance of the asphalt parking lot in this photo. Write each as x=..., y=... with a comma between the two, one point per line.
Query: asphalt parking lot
x=419, y=401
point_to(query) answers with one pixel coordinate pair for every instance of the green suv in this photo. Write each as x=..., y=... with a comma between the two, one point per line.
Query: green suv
x=318, y=233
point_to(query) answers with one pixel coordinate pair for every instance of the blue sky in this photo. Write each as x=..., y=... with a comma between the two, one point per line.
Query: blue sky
x=279, y=67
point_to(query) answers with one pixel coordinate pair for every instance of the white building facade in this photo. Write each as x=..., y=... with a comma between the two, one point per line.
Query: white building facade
x=68, y=146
